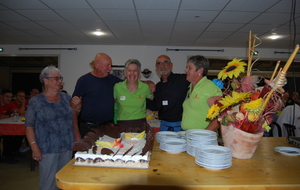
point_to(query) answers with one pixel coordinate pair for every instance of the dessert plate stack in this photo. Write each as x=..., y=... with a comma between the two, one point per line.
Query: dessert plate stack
x=198, y=138
x=214, y=157
x=181, y=134
x=173, y=145
x=164, y=135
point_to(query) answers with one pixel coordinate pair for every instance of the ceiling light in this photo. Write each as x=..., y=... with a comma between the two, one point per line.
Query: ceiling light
x=98, y=32
x=274, y=36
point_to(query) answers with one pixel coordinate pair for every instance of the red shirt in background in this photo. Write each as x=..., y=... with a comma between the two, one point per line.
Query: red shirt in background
x=4, y=109
x=14, y=106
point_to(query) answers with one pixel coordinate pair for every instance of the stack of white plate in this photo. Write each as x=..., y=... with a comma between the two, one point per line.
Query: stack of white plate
x=173, y=145
x=214, y=157
x=199, y=137
x=181, y=134
x=164, y=135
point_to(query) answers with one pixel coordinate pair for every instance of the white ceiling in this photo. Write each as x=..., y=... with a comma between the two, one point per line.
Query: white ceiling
x=212, y=23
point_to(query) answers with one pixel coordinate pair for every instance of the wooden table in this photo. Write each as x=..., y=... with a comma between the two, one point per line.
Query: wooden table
x=267, y=169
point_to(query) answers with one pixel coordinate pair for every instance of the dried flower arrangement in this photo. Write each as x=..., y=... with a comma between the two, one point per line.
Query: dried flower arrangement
x=244, y=105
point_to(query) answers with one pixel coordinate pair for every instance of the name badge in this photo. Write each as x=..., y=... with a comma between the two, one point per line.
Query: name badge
x=165, y=102
x=123, y=98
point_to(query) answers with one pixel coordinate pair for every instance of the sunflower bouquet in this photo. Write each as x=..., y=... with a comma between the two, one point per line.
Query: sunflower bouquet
x=241, y=103
x=244, y=104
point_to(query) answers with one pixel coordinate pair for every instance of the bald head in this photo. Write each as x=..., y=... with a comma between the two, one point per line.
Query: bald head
x=102, y=65
x=165, y=57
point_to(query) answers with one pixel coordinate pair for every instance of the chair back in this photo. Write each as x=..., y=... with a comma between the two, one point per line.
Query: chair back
x=290, y=129
x=277, y=126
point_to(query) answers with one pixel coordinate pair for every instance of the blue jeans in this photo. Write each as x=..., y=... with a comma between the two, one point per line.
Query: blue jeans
x=170, y=126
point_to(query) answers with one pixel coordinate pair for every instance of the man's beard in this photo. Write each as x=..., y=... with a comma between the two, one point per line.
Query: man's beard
x=162, y=73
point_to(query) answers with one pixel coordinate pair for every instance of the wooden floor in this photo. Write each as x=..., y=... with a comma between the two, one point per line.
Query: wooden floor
x=18, y=176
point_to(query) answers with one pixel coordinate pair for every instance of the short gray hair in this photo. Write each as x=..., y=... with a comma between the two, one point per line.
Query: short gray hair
x=200, y=62
x=47, y=71
x=133, y=61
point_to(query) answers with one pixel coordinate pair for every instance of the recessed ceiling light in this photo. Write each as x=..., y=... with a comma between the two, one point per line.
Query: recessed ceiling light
x=98, y=32
x=274, y=36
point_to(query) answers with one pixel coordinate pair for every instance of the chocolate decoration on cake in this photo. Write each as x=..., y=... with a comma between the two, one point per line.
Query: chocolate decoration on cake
x=112, y=130
x=87, y=138
x=80, y=159
x=90, y=144
x=106, y=151
x=131, y=156
x=95, y=149
x=89, y=160
x=98, y=160
x=80, y=146
x=98, y=132
x=93, y=135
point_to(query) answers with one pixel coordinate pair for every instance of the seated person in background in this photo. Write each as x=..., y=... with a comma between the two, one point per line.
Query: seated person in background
x=18, y=104
x=130, y=97
x=32, y=93
x=293, y=100
x=285, y=97
x=5, y=99
x=10, y=142
x=290, y=115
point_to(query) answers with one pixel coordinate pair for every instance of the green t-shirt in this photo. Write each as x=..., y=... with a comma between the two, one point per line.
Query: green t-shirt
x=195, y=106
x=128, y=105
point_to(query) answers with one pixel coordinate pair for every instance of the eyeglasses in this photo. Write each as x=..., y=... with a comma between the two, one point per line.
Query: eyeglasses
x=55, y=78
x=163, y=63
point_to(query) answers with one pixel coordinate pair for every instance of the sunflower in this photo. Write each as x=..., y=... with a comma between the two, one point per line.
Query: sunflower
x=254, y=106
x=233, y=68
x=213, y=112
x=252, y=116
x=236, y=97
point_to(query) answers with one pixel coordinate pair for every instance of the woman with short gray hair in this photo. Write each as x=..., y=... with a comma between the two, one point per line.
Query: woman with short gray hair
x=200, y=96
x=51, y=127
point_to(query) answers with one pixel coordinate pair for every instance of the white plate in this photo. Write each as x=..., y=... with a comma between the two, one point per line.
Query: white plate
x=167, y=133
x=291, y=151
x=173, y=151
x=200, y=132
x=214, y=167
x=175, y=141
x=215, y=150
